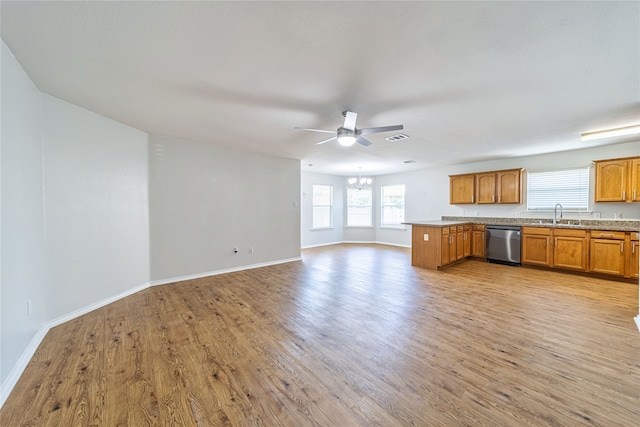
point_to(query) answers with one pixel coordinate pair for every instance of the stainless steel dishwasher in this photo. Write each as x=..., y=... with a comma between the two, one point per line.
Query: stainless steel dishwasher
x=503, y=244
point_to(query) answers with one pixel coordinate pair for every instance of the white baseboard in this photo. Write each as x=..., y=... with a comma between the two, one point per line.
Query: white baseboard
x=217, y=272
x=637, y=319
x=356, y=242
x=320, y=245
x=21, y=364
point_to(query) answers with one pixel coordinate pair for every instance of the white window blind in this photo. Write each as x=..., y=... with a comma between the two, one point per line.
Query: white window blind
x=568, y=187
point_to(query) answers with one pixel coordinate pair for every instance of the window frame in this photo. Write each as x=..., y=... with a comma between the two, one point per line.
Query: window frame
x=581, y=192
x=383, y=205
x=314, y=206
x=349, y=206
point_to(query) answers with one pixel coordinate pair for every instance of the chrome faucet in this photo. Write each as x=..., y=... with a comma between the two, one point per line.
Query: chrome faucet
x=555, y=213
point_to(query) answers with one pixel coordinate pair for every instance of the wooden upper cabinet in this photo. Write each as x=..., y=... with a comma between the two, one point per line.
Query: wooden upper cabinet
x=618, y=180
x=486, y=188
x=462, y=189
x=509, y=184
x=503, y=186
x=635, y=180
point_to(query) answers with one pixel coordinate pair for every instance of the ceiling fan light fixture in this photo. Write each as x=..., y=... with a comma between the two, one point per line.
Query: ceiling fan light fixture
x=608, y=133
x=347, y=140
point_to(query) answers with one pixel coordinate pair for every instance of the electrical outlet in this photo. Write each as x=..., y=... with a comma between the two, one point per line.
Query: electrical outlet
x=426, y=237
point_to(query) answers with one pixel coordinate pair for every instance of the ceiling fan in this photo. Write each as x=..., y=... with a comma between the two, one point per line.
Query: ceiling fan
x=348, y=134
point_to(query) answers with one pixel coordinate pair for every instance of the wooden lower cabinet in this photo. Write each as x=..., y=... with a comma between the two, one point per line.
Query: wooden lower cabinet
x=634, y=261
x=433, y=247
x=478, y=241
x=570, y=249
x=607, y=252
x=449, y=245
x=536, y=246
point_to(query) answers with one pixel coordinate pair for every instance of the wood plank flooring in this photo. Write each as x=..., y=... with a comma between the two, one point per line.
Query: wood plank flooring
x=351, y=336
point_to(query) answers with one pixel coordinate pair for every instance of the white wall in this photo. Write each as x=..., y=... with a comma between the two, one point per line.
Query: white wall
x=326, y=236
x=22, y=217
x=205, y=200
x=74, y=223
x=96, y=206
x=427, y=195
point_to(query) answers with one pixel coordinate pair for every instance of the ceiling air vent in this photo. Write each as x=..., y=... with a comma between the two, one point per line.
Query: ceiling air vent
x=396, y=137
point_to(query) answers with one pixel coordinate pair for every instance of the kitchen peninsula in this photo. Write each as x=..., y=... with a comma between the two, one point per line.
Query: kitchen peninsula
x=602, y=247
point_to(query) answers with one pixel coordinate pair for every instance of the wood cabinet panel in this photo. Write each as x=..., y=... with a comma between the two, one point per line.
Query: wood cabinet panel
x=635, y=180
x=617, y=180
x=509, y=186
x=570, y=251
x=634, y=263
x=536, y=249
x=607, y=256
x=462, y=189
x=486, y=188
x=478, y=243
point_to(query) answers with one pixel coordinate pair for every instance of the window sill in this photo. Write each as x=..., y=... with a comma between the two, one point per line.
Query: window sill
x=394, y=227
x=359, y=226
x=322, y=228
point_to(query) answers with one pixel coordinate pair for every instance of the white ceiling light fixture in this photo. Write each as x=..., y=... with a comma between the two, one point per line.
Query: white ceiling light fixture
x=346, y=137
x=359, y=183
x=608, y=133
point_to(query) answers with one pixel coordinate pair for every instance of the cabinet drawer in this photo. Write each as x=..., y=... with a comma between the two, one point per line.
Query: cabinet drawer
x=635, y=236
x=478, y=227
x=460, y=228
x=445, y=230
x=569, y=233
x=544, y=231
x=452, y=230
x=615, y=235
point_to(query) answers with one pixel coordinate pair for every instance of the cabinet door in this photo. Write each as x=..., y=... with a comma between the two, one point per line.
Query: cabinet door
x=635, y=260
x=467, y=243
x=462, y=189
x=536, y=249
x=445, y=248
x=611, y=180
x=486, y=188
x=607, y=256
x=508, y=186
x=635, y=181
x=460, y=241
x=478, y=246
x=570, y=252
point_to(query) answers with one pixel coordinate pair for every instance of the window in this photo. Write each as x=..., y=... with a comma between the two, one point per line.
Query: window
x=570, y=188
x=322, y=206
x=359, y=208
x=392, y=205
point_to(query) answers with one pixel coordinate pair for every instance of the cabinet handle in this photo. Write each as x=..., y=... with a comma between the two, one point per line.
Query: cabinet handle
x=493, y=198
x=473, y=199
x=606, y=235
x=634, y=194
x=621, y=247
x=633, y=248
x=556, y=242
x=624, y=193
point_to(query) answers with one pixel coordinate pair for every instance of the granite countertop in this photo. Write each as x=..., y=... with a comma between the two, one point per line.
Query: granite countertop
x=585, y=224
x=438, y=223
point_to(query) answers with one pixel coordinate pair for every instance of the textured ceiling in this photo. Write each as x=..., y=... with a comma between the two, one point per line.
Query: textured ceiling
x=469, y=81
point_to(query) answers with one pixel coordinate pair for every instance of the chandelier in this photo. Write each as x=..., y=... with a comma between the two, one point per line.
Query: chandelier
x=359, y=183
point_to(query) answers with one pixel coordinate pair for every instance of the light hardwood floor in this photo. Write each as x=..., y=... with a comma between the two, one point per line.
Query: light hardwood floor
x=351, y=336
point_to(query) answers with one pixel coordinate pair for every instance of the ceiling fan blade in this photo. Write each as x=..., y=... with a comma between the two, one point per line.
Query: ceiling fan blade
x=363, y=141
x=317, y=130
x=379, y=129
x=350, y=120
x=326, y=140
